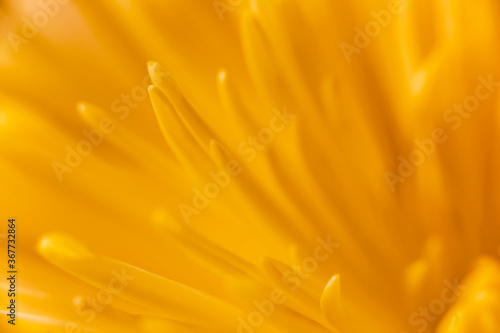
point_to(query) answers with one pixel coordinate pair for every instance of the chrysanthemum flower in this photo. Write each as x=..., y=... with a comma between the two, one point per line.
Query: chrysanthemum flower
x=281, y=166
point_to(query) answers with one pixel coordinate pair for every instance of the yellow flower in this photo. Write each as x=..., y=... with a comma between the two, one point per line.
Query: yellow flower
x=281, y=166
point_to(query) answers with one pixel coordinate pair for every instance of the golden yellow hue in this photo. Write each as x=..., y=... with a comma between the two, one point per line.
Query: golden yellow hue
x=368, y=204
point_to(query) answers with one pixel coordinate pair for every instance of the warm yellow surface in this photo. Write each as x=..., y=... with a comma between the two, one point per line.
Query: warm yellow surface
x=113, y=242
